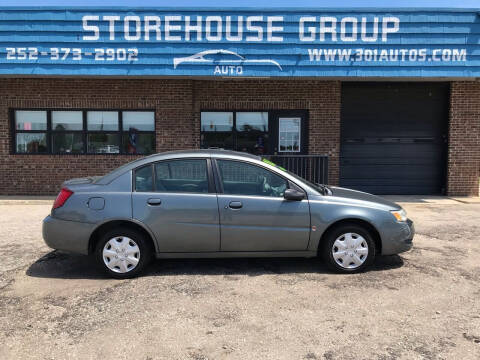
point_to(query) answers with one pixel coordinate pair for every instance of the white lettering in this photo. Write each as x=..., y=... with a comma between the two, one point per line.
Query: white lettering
x=93, y=28
x=315, y=54
x=111, y=24
x=152, y=27
x=332, y=29
x=271, y=28
x=126, y=28
x=169, y=27
x=343, y=27
x=383, y=55
x=252, y=28
x=191, y=28
x=446, y=54
x=239, y=35
x=374, y=35
x=459, y=55
x=311, y=29
x=218, y=35
x=389, y=30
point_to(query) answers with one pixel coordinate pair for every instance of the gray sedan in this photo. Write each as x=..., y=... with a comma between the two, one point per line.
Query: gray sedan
x=216, y=203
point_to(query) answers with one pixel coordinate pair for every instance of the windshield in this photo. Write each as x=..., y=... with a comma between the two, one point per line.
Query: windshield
x=317, y=187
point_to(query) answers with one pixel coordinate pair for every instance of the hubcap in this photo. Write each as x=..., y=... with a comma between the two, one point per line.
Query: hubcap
x=350, y=250
x=121, y=254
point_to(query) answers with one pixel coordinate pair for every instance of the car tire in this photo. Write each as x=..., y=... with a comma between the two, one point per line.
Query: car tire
x=348, y=248
x=123, y=253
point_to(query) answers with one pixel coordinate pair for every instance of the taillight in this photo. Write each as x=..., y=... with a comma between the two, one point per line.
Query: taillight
x=62, y=197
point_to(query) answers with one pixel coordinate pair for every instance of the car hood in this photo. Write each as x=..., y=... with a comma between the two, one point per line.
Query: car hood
x=340, y=194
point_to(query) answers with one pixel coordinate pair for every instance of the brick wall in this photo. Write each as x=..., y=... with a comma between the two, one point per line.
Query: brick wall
x=43, y=174
x=177, y=105
x=320, y=98
x=464, y=139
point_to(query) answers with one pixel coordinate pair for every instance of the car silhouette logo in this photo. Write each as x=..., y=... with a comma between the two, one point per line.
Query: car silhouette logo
x=200, y=57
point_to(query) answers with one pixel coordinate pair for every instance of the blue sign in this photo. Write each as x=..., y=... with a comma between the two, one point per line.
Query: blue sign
x=240, y=42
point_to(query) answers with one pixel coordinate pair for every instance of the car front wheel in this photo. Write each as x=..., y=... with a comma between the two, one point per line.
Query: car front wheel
x=123, y=253
x=349, y=249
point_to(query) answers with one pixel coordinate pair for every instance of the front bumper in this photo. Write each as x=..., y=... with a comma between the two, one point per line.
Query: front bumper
x=71, y=236
x=399, y=239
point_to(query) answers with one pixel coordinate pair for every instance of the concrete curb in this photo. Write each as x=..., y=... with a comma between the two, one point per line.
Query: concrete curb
x=27, y=200
x=467, y=200
x=437, y=200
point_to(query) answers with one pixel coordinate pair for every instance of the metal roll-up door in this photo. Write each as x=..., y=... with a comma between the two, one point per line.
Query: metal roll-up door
x=394, y=137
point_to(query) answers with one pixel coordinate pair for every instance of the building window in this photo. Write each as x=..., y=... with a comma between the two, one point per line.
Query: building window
x=83, y=131
x=242, y=131
x=31, y=132
x=67, y=136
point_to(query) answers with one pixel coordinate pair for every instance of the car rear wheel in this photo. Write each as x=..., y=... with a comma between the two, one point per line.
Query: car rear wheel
x=349, y=249
x=123, y=253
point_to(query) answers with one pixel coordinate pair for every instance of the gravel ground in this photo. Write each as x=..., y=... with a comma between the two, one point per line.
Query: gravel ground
x=424, y=304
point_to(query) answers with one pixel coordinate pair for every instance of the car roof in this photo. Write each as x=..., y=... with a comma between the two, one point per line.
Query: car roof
x=201, y=153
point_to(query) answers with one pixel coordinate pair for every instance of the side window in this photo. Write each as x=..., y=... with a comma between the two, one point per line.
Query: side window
x=240, y=178
x=144, y=179
x=188, y=175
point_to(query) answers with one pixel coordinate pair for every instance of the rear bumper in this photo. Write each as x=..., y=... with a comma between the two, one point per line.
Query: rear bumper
x=71, y=236
x=399, y=239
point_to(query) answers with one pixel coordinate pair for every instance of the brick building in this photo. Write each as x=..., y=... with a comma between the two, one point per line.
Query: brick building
x=411, y=127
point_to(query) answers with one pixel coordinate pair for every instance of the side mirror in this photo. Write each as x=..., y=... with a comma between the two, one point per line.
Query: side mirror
x=294, y=195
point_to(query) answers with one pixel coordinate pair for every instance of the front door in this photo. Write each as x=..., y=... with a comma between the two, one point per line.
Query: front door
x=177, y=201
x=254, y=216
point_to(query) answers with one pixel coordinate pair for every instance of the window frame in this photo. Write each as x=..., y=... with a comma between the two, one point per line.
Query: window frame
x=219, y=183
x=273, y=114
x=234, y=130
x=210, y=177
x=14, y=132
x=85, y=132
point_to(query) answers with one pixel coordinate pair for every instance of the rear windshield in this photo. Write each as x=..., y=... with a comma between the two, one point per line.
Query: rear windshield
x=102, y=179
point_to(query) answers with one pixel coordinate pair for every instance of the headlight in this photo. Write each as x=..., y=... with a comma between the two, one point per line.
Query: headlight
x=400, y=215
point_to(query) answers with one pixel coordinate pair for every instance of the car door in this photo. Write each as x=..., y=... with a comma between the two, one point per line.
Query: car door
x=254, y=216
x=177, y=201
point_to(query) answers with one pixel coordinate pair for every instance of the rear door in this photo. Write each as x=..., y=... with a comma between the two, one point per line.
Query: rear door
x=177, y=201
x=254, y=216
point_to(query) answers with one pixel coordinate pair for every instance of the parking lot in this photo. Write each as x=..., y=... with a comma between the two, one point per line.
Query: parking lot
x=424, y=304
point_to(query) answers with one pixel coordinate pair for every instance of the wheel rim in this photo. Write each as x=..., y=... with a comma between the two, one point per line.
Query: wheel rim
x=121, y=254
x=350, y=250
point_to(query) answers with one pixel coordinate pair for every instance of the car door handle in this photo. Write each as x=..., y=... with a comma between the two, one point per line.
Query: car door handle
x=154, y=202
x=235, y=205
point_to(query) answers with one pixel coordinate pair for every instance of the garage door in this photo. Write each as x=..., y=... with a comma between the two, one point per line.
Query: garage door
x=393, y=137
